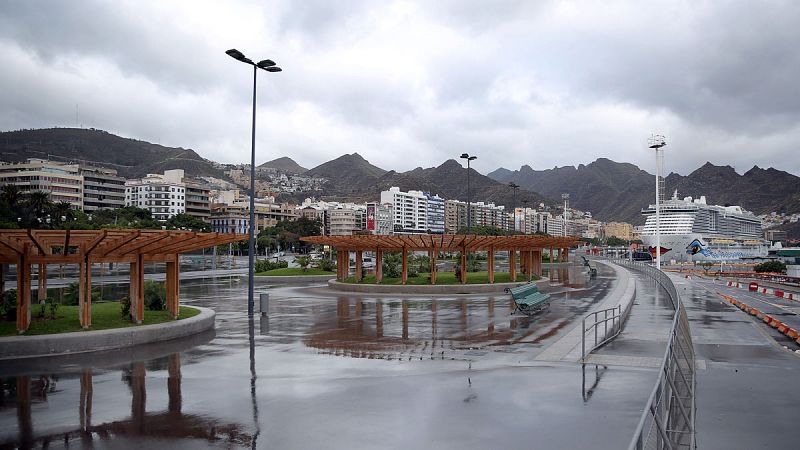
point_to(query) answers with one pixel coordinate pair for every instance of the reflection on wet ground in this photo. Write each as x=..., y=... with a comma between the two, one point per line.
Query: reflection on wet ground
x=325, y=370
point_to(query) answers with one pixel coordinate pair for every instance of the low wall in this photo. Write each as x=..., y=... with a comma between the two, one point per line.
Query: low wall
x=91, y=341
x=423, y=289
x=301, y=279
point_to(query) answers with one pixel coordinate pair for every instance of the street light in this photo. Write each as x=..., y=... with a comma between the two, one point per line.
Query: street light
x=514, y=188
x=657, y=143
x=269, y=66
x=469, y=198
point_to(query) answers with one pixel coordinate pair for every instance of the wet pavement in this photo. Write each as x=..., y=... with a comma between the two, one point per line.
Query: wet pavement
x=326, y=370
x=747, y=393
x=643, y=340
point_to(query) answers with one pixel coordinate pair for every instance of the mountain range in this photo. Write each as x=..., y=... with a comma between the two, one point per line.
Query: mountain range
x=618, y=191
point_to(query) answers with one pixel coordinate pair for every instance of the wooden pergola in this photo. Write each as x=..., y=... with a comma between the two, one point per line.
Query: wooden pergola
x=529, y=248
x=86, y=247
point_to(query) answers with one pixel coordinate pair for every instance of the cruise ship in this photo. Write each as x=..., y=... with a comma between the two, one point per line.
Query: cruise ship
x=692, y=230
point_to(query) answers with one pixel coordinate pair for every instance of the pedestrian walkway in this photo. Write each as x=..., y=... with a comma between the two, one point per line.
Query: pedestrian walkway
x=644, y=337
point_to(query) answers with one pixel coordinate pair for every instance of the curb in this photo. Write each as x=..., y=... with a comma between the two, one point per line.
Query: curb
x=496, y=288
x=300, y=279
x=16, y=347
x=783, y=328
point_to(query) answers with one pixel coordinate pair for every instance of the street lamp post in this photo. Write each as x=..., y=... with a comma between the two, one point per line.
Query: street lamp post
x=514, y=187
x=269, y=66
x=469, y=197
x=657, y=143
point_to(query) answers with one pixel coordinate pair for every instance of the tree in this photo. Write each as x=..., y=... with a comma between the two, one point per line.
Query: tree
x=303, y=261
x=773, y=266
x=185, y=221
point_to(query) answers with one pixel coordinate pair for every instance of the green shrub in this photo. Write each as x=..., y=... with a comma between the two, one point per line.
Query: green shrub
x=155, y=295
x=263, y=265
x=392, y=262
x=125, y=306
x=8, y=305
x=53, y=306
x=771, y=266
x=303, y=261
x=326, y=264
x=72, y=294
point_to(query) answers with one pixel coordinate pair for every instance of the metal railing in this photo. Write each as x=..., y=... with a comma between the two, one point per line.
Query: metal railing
x=616, y=318
x=668, y=421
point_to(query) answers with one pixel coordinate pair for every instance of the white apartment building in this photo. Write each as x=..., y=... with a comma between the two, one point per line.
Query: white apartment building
x=163, y=195
x=410, y=210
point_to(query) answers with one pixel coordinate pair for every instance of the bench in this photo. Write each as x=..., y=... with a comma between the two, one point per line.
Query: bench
x=585, y=260
x=528, y=299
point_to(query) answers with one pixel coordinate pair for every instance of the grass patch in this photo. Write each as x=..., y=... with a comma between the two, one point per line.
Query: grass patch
x=446, y=278
x=105, y=315
x=294, y=271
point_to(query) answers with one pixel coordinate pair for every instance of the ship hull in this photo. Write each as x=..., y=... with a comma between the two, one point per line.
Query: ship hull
x=692, y=247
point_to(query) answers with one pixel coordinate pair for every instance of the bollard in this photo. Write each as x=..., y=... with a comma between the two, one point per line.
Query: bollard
x=264, y=300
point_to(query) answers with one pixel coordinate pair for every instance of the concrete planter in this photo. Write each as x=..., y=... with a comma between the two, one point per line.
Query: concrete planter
x=91, y=341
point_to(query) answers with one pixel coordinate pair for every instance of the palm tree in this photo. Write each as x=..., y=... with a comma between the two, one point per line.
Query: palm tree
x=40, y=202
x=9, y=194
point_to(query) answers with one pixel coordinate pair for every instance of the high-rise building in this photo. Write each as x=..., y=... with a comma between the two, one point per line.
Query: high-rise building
x=435, y=213
x=410, y=210
x=480, y=214
x=620, y=230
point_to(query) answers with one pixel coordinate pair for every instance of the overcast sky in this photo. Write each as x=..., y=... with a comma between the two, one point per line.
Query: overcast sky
x=409, y=84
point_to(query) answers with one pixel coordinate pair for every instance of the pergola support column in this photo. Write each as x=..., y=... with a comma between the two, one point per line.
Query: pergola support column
x=552, y=259
x=463, y=265
x=359, y=263
x=173, y=287
x=490, y=264
x=378, y=265
x=41, y=293
x=23, y=291
x=137, y=289
x=85, y=293
x=432, y=257
x=537, y=262
x=405, y=265
x=512, y=265
x=529, y=264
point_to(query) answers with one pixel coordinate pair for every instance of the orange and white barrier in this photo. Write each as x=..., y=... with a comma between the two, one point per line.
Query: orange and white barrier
x=791, y=333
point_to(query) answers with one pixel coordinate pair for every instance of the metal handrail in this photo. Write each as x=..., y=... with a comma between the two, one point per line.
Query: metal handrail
x=616, y=327
x=670, y=409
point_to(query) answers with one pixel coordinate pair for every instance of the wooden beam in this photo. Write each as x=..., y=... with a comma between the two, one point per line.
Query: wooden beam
x=490, y=264
x=359, y=261
x=463, y=265
x=512, y=265
x=378, y=265
x=432, y=257
x=23, y=291
x=172, y=287
x=405, y=265
x=32, y=235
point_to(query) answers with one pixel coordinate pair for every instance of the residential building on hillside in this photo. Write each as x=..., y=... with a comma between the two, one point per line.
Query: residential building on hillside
x=346, y=221
x=229, y=219
x=481, y=214
x=621, y=230
x=164, y=195
x=102, y=188
x=63, y=182
x=198, y=200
